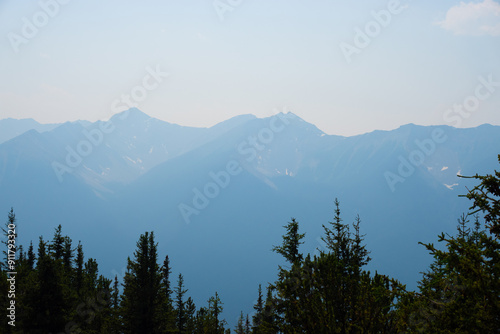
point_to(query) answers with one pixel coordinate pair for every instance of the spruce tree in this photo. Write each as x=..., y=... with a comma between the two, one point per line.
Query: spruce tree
x=331, y=292
x=190, y=316
x=240, y=326
x=48, y=297
x=258, y=307
x=168, y=313
x=181, y=318
x=247, y=325
x=486, y=199
x=215, y=309
x=270, y=318
x=57, y=245
x=112, y=323
x=460, y=292
x=79, y=262
x=142, y=289
x=31, y=257
x=289, y=249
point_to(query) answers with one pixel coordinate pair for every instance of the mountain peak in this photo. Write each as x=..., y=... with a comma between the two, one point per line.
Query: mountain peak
x=298, y=121
x=132, y=114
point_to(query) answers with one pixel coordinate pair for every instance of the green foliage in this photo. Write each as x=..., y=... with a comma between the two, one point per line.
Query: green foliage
x=460, y=292
x=240, y=326
x=58, y=291
x=142, y=289
x=331, y=293
x=486, y=198
x=208, y=318
x=259, y=308
x=46, y=295
x=180, y=305
x=190, y=316
x=291, y=242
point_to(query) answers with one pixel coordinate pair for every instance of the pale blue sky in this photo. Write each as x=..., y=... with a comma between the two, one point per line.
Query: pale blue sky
x=264, y=55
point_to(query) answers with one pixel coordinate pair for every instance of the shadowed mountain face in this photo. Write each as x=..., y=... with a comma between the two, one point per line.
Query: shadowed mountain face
x=217, y=197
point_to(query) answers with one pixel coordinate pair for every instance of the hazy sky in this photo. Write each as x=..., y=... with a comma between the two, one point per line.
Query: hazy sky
x=347, y=66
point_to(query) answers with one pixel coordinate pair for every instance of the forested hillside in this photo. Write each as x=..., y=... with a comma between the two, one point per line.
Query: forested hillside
x=50, y=287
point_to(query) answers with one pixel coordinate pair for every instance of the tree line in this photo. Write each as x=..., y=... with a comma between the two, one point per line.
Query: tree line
x=58, y=291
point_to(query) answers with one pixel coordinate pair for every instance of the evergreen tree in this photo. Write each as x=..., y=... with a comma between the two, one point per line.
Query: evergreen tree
x=202, y=320
x=258, y=307
x=486, y=198
x=142, y=289
x=49, y=303
x=240, y=329
x=41, y=249
x=190, y=316
x=270, y=318
x=31, y=257
x=180, y=305
x=168, y=313
x=460, y=292
x=166, y=271
x=112, y=322
x=247, y=325
x=57, y=245
x=331, y=292
x=289, y=249
x=79, y=262
x=216, y=326
x=67, y=253
x=208, y=319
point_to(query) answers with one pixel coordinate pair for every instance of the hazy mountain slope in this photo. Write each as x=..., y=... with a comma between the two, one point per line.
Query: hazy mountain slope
x=217, y=197
x=299, y=173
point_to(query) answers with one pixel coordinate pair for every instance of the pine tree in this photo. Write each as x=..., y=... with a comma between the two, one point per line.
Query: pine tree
x=460, y=291
x=215, y=309
x=240, y=329
x=41, y=249
x=48, y=297
x=289, y=249
x=486, y=198
x=207, y=319
x=31, y=257
x=67, y=253
x=270, y=318
x=258, y=307
x=142, y=289
x=112, y=323
x=168, y=313
x=79, y=262
x=190, y=316
x=202, y=320
x=331, y=292
x=91, y=273
x=57, y=245
x=180, y=304
x=247, y=325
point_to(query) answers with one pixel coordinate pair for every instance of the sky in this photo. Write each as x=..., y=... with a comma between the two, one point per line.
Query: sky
x=348, y=67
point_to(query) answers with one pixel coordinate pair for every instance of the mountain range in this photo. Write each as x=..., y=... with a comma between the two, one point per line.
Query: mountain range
x=217, y=197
